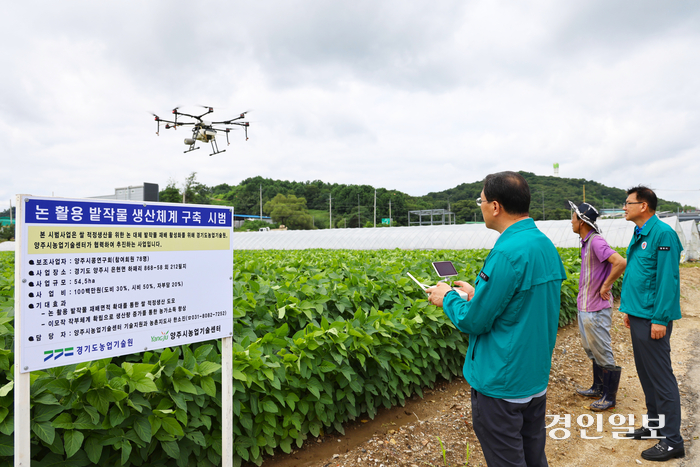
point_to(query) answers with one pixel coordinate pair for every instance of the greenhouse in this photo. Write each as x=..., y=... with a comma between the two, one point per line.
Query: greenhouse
x=692, y=238
x=618, y=233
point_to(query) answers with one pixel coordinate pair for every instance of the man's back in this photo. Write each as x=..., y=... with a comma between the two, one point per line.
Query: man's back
x=512, y=319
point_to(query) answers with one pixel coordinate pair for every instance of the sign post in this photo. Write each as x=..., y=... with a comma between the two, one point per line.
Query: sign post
x=103, y=278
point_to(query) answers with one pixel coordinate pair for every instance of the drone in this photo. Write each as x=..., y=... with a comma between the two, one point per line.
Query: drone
x=203, y=130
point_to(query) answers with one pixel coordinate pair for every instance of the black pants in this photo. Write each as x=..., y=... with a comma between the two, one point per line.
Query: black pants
x=652, y=358
x=510, y=434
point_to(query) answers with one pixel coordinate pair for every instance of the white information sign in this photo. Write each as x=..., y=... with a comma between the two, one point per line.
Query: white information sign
x=103, y=278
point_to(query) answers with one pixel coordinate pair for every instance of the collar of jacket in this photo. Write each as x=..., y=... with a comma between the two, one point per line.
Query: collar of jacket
x=648, y=225
x=513, y=229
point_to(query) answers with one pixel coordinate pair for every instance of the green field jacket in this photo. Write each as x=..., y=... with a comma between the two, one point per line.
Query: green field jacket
x=513, y=317
x=651, y=287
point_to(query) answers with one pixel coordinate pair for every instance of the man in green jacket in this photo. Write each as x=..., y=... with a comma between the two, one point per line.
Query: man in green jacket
x=511, y=316
x=651, y=300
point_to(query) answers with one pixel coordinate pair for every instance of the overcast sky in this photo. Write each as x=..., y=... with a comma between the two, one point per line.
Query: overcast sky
x=416, y=96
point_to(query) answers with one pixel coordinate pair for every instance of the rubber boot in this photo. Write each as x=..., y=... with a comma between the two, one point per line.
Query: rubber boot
x=611, y=381
x=596, y=390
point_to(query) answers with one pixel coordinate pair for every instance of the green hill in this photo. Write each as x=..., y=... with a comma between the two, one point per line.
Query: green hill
x=353, y=205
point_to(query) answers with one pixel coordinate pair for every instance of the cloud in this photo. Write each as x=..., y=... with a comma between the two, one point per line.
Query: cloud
x=417, y=96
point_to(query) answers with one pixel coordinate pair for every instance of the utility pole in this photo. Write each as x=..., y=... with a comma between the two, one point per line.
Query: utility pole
x=543, y=218
x=389, y=212
x=10, y=211
x=261, y=202
x=375, y=208
x=330, y=211
x=359, y=225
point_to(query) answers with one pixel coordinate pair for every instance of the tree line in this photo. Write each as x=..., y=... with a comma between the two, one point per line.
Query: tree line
x=317, y=204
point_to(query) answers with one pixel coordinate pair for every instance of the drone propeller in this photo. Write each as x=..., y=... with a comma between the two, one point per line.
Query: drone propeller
x=157, y=118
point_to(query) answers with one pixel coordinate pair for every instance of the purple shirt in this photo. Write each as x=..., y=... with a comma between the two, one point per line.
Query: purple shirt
x=595, y=268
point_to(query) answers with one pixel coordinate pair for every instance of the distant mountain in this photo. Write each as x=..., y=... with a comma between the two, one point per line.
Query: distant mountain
x=551, y=194
x=354, y=205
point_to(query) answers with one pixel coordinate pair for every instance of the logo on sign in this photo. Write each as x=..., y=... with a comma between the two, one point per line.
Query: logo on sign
x=162, y=338
x=58, y=353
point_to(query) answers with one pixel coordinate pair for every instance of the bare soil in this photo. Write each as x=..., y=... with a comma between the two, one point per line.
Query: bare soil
x=436, y=430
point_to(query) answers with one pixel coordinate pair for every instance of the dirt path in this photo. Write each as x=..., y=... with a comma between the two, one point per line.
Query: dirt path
x=411, y=436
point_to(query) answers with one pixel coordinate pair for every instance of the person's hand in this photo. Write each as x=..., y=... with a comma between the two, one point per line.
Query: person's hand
x=626, y=321
x=466, y=288
x=437, y=292
x=605, y=291
x=657, y=331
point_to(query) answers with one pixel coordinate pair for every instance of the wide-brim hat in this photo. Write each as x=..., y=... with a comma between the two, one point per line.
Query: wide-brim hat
x=587, y=214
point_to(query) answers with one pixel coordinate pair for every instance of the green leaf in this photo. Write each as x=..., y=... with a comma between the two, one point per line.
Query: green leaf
x=155, y=422
x=142, y=427
x=206, y=368
x=60, y=387
x=72, y=440
x=126, y=452
x=269, y=406
x=197, y=437
x=100, y=399
x=171, y=448
x=44, y=413
x=314, y=387
x=93, y=449
x=44, y=430
x=7, y=446
x=64, y=421
x=172, y=426
x=202, y=352
x=5, y=390
x=144, y=384
x=184, y=385
x=7, y=426
x=94, y=414
x=46, y=399
x=208, y=385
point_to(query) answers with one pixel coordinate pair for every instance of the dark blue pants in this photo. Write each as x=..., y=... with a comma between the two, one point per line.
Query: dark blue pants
x=511, y=435
x=652, y=358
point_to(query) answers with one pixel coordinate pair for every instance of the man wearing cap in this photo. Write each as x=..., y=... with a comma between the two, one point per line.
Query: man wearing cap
x=651, y=300
x=600, y=268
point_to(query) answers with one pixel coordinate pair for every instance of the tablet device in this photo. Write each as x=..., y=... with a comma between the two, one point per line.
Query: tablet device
x=444, y=268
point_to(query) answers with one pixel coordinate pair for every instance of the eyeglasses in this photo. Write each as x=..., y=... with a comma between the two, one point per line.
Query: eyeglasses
x=479, y=201
x=627, y=203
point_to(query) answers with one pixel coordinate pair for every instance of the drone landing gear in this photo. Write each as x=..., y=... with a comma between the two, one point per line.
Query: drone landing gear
x=190, y=150
x=215, y=148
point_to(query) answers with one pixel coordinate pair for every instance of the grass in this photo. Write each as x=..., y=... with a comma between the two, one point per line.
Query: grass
x=444, y=455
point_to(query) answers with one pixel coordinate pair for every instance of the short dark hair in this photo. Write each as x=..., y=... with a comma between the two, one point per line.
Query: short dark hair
x=510, y=189
x=646, y=195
